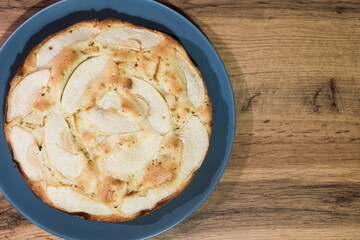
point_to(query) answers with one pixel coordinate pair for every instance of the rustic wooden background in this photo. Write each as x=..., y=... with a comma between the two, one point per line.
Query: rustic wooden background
x=295, y=168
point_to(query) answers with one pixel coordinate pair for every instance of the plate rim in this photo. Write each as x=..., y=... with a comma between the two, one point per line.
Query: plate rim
x=232, y=120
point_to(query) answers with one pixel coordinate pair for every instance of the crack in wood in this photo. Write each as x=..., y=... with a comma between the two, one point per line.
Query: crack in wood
x=333, y=95
x=316, y=105
x=248, y=104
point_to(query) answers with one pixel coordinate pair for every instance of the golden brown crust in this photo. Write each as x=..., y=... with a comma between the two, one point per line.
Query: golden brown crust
x=66, y=59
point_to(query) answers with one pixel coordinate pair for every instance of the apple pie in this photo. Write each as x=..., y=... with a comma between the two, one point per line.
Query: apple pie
x=107, y=120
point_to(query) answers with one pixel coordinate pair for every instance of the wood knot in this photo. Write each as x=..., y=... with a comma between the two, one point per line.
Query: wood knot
x=339, y=9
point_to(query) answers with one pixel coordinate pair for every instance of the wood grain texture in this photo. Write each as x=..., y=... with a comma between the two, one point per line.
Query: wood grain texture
x=295, y=168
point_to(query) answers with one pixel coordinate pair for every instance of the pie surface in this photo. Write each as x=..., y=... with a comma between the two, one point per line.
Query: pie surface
x=107, y=120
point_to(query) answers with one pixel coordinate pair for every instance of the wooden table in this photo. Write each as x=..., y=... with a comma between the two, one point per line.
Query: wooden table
x=295, y=168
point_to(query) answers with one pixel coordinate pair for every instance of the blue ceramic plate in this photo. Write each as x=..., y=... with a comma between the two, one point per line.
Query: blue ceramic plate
x=152, y=15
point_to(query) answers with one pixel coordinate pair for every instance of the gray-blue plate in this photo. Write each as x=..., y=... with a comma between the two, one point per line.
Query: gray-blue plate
x=152, y=15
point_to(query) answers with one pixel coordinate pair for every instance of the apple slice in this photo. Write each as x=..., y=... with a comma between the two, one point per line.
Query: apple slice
x=23, y=144
x=59, y=147
x=194, y=83
x=143, y=105
x=79, y=81
x=67, y=199
x=158, y=112
x=145, y=201
x=55, y=45
x=131, y=159
x=108, y=123
x=109, y=100
x=26, y=93
x=130, y=37
x=195, y=142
